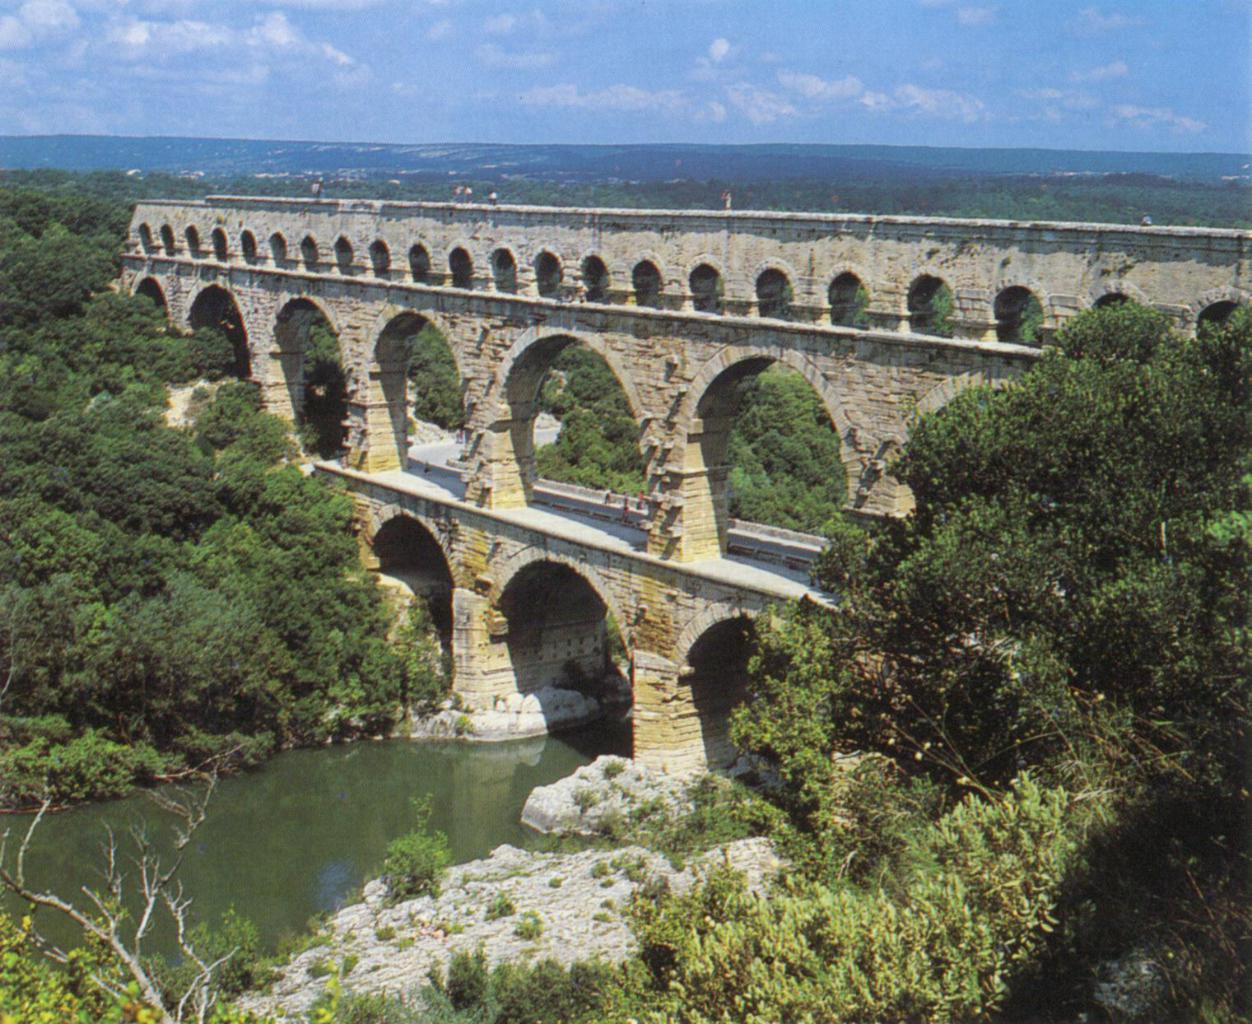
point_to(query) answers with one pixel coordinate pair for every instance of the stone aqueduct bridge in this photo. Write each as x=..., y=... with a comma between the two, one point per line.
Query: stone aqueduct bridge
x=682, y=306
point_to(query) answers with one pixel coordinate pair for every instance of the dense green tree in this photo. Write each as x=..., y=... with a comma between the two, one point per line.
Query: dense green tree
x=785, y=458
x=1069, y=595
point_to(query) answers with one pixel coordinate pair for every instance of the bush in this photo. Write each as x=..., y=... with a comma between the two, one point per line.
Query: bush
x=944, y=946
x=416, y=861
x=500, y=906
x=529, y=927
x=466, y=985
x=91, y=767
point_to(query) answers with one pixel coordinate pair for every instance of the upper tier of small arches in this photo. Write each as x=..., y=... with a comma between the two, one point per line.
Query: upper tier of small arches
x=928, y=302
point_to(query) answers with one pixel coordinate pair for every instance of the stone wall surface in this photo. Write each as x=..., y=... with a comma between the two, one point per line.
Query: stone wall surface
x=351, y=262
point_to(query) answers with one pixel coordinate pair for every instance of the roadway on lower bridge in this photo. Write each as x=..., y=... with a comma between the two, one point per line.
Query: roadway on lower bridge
x=432, y=473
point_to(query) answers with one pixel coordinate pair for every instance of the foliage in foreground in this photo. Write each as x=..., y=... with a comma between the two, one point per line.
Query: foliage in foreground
x=942, y=942
x=1070, y=597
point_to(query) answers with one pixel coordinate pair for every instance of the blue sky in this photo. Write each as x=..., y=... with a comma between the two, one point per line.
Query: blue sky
x=1145, y=75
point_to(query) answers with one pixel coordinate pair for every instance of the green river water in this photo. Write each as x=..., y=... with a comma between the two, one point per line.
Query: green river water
x=300, y=835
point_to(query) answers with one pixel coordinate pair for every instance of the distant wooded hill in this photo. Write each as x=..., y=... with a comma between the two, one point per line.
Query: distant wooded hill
x=731, y=164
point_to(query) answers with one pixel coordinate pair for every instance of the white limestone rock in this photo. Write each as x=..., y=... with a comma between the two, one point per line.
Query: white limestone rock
x=600, y=795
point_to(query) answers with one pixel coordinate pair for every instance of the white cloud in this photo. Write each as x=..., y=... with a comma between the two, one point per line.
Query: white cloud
x=48, y=16
x=1115, y=69
x=495, y=57
x=442, y=29
x=625, y=98
x=972, y=17
x=939, y=103
x=814, y=88
x=719, y=50
x=1157, y=117
x=760, y=106
x=325, y=5
x=500, y=25
x=36, y=21
x=1092, y=20
x=13, y=34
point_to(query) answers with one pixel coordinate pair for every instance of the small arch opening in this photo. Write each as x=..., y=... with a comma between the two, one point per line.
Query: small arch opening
x=717, y=673
x=247, y=246
x=192, y=235
x=548, y=275
x=317, y=384
x=167, y=240
x=774, y=295
x=1019, y=316
x=380, y=259
x=595, y=277
x=219, y=341
x=849, y=300
x=344, y=256
x=310, y=254
x=562, y=637
x=1111, y=299
x=278, y=249
x=461, y=267
x=504, y=271
x=221, y=251
x=1216, y=313
x=930, y=307
x=646, y=281
x=412, y=563
x=145, y=238
x=706, y=289
x=419, y=264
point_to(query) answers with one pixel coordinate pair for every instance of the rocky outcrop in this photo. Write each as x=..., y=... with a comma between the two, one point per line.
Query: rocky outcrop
x=569, y=907
x=516, y=716
x=601, y=797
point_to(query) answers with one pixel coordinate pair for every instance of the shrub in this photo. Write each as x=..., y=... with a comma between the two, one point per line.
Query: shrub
x=500, y=906
x=529, y=927
x=466, y=985
x=416, y=861
x=943, y=947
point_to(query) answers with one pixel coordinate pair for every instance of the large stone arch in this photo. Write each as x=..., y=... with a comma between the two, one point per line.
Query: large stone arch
x=380, y=516
x=506, y=455
x=284, y=368
x=701, y=440
x=386, y=387
x=202, y=308
x=704, y=620
x=504, y=572
x=151, y=287
x=555, y=636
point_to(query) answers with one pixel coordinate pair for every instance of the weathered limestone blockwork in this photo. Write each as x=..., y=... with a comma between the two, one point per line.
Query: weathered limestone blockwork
x=676, y=366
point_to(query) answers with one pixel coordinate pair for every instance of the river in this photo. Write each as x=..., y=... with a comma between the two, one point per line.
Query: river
x=299, y=836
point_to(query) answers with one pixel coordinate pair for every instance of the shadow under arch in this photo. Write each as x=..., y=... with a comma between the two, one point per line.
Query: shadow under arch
x=716, y=672
x=560, y=628
x=414, y=371
x=315, y=391
x=413, y=561
x=518, y=383
x=709, y=414
x=215, y=308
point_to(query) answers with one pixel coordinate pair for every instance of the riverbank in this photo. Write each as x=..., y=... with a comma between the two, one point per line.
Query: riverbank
x=530, y=906
x=513, y=905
